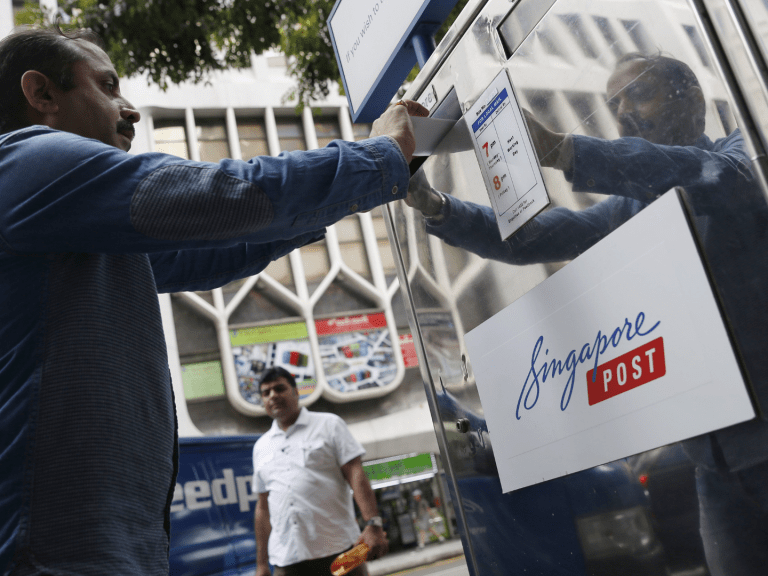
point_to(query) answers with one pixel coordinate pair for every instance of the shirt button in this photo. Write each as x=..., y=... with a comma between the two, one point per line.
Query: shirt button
x=394, y=190
x=353, y=208
x=590, y=182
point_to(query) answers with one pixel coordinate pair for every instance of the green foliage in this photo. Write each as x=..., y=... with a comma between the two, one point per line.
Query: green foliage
x=174, y=41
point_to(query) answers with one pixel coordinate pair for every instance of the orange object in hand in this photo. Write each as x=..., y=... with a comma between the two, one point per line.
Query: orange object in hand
x=349, y=560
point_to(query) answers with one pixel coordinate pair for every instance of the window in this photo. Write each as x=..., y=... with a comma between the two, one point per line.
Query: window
x=253, y=138
x=291, y=134
x=548, y=43
x=171, y=138
x=212, y=139
x=606, y=29
x=637, y=34
x=326, y=131
x=583, y=105
x=361, y=131
x=698, y=45
x=576, y=27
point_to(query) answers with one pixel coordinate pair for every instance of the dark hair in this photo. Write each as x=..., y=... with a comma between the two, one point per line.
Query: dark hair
x=46, y=50
x=675, y=74
x=677, y=79
x=276, y=373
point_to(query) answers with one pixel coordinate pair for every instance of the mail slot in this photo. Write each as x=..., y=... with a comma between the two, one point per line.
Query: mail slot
x=595, y=315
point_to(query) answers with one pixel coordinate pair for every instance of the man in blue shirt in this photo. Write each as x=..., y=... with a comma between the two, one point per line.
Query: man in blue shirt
x=660, y=111
x=88, y=236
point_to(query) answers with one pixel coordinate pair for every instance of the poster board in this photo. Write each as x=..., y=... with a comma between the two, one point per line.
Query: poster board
x=622, y=351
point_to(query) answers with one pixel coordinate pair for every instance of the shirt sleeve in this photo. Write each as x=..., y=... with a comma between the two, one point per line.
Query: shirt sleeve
x=95, y=198
x=553, y=236
x=345, y=445
x=637, y=169
x=208, y=268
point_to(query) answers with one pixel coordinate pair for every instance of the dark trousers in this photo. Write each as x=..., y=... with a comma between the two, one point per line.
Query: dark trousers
x=316, y=567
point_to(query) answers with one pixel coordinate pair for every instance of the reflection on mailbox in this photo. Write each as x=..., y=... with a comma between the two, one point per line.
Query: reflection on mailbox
x=617, y=379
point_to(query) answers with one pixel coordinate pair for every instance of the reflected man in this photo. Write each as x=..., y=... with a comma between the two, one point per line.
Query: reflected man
x=660, y=111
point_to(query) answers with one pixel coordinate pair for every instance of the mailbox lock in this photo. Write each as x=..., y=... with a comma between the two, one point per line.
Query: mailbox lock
x=462, y=425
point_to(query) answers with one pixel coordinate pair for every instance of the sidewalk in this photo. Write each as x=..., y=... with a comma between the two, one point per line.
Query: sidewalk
x=415, y=557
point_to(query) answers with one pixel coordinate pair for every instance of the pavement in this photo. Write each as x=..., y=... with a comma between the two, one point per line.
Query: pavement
x=415, y=557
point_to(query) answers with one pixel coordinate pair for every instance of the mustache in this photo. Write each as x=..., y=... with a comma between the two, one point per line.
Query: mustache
x=633, y=125
x=124, y=125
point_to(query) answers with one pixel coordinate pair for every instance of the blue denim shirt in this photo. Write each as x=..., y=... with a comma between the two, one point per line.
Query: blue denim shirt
x=88, y=235
x=730, y=215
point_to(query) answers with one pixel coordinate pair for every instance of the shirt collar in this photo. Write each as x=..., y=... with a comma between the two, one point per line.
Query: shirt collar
x=302, y=420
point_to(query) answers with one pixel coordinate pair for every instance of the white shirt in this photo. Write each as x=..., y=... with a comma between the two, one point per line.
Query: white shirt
x=310, y=502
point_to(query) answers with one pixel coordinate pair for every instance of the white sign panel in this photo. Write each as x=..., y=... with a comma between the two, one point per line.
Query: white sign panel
x=620, y=352
x=507, y=158
x=366, y=34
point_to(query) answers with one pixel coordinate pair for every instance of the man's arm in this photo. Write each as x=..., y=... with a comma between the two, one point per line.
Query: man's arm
x=715, y=175
x=373, y=536
x=208, y=268
x=553, y=236
x=262, y=529
x=95, y=198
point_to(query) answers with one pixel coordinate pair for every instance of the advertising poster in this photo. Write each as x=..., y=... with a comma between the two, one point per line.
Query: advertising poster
x=261, y=347
x=356, y=352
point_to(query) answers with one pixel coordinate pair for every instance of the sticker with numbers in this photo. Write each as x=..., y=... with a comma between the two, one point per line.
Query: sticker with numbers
x=506, y=156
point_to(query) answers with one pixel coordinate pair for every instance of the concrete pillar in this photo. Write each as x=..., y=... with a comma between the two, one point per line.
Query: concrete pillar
x=6, y=18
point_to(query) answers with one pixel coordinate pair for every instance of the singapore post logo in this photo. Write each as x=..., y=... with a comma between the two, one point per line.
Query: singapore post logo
x=630, y=370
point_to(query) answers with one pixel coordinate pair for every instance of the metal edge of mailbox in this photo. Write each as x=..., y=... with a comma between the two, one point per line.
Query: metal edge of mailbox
x=447, y=44
x=429, y=385
x=733, y=84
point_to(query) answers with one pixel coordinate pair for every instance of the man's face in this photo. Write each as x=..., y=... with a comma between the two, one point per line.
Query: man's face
x=644, y=107
x=94, y=108
x=281, y=400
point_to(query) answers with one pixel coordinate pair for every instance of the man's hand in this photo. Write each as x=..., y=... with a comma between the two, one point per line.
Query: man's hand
x=376, y=539
x=422, y=196
x=396, y=122
x=546, y=142
x=262, y=571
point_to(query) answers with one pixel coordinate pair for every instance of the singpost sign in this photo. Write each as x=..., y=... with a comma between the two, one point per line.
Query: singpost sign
x=622, y=351
x=372, y=40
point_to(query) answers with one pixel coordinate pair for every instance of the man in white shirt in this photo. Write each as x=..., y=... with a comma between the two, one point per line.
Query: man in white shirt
x=303, y=468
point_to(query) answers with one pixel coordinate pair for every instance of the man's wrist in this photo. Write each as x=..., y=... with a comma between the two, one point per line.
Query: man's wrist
x=436, y=213
x=375, y=521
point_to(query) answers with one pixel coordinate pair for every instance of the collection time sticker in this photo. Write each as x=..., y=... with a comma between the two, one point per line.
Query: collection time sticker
x=507, y=157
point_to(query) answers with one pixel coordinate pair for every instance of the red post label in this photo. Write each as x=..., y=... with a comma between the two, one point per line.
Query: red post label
x=628, y=371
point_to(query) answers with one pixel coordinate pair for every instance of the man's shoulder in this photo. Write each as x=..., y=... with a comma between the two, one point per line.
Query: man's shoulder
x=61, y=146
x=264, y=440
x=325, y=418
x=30, y=132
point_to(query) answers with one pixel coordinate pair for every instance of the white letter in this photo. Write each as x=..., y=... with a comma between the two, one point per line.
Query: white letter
x=606, y=378
x=195, y=490
x=636, y=365
x=619, y=371
x=218, y=486
x=649, y=353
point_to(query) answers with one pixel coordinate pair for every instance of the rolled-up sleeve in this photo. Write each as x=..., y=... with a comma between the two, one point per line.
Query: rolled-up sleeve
x=95, y=198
